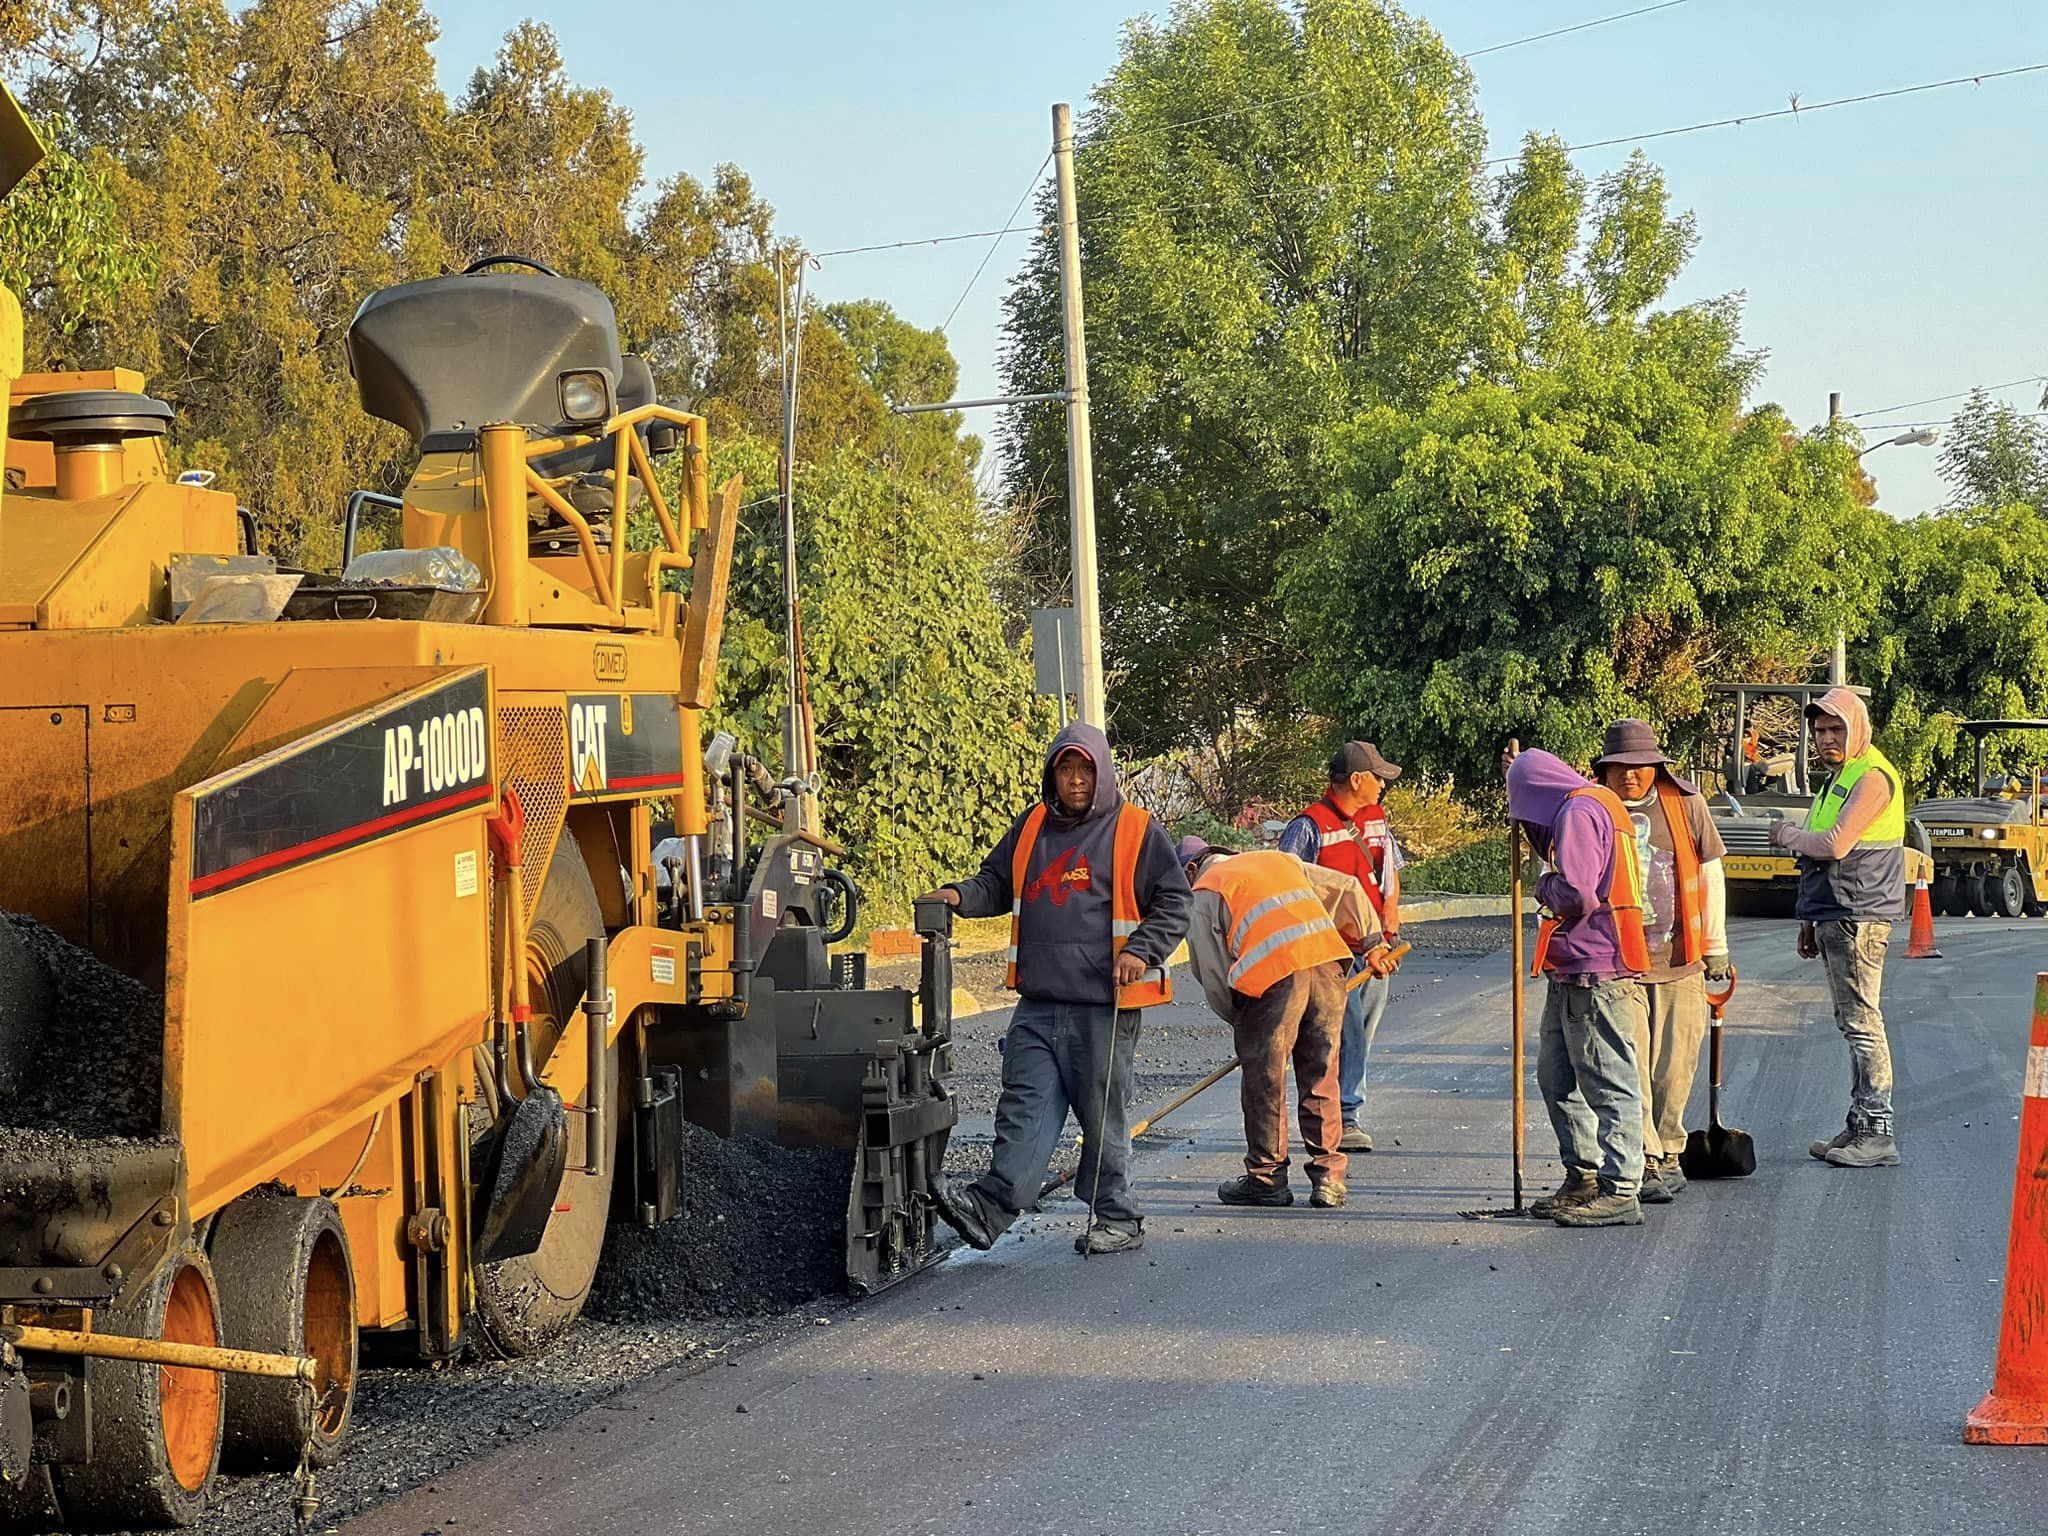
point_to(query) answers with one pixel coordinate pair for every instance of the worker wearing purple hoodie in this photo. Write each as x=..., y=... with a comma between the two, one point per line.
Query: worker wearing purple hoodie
x=1098, y=902
x=1591, y=947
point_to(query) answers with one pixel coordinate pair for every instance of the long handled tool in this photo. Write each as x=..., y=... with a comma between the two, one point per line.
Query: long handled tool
x=1719, y=1151
x=1516, y=1032
x=1208, y=1082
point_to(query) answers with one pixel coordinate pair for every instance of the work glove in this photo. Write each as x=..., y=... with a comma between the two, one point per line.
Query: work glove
x=1719, y=969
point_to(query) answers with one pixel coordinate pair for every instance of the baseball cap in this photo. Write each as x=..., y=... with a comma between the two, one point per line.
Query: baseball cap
x=1361, y=757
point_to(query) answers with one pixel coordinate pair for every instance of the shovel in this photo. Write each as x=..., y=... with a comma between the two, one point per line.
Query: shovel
x=1717, y=1152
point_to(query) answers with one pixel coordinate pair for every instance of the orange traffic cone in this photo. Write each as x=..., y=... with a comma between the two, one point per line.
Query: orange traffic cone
x=1920, y=942
x=2016, y=1412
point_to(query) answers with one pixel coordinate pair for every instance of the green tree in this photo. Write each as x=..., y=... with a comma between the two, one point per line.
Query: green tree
x=1589, y=524
x=1281, y=226
x=1992, y=455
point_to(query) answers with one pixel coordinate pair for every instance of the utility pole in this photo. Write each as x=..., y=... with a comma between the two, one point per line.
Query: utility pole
x=1080, y=452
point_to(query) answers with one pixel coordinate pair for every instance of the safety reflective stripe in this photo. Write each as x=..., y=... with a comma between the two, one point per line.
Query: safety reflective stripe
x=1257, y=910
x=1123, y=927
x=1346, y=835
x=1273, y=941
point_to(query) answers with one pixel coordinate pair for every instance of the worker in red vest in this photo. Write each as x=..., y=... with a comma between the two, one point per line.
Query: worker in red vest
x=1685, y=922
x=1270, y=941
x=1097, y=903
x=1347, y=831
x=1590, y=945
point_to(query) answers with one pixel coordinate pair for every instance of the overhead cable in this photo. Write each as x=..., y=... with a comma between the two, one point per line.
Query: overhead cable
x=1989, y=389
x=988, y=255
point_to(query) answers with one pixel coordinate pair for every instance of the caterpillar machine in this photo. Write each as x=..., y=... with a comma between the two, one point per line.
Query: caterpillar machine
x=1991, y=848
x=433, y=1009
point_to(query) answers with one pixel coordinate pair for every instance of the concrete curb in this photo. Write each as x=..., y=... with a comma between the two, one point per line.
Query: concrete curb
x=1428, y=909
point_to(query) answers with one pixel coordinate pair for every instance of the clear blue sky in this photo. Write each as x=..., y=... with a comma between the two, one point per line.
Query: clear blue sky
x=1891, y=250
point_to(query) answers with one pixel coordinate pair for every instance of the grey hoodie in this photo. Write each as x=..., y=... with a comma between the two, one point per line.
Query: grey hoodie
x=1063, y=950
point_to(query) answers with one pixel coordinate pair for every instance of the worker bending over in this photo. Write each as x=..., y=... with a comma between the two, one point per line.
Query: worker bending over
x=1347, y=831
x=1685, y=924
x=1591, y=946
x=1852, y=888
x=1097, y=902
x=1271, y=940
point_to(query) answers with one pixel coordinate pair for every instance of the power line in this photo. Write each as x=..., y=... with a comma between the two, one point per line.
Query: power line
x=1907, y=426
x=1584, y=26
x=989, y=255
x=1989, y=389
x=1796, y=109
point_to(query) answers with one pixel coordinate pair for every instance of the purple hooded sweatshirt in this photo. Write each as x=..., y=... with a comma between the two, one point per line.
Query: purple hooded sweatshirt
x=1577, y=838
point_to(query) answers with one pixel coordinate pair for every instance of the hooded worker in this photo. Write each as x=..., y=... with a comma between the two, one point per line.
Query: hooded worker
x=1852, y=888
x=1685, y=923
x=1097, y=902
x=1591, y=947
x=1271, y=941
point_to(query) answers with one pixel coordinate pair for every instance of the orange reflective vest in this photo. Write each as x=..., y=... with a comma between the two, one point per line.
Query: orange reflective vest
x=1691, y=928
x=1344, y=847
x=1623, y=898
x=1277, y=922
x=1155, y=986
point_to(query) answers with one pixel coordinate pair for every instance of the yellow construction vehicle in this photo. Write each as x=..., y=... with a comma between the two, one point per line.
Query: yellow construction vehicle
x=1990, y=850
x=438, y=987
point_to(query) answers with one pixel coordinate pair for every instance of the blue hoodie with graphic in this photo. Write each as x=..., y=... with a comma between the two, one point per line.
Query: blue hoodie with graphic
x=1063, y=948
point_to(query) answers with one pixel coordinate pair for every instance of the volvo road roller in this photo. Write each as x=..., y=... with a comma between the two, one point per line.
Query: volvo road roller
x=375, y=931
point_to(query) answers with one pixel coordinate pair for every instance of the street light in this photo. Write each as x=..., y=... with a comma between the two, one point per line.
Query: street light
x=1919, y=437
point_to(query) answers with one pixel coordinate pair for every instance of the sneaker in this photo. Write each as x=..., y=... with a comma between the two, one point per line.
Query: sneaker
x=1672, y=1176
x=1821, y=1149
x=958, y=1210
x=1576, y=1189
x=1605, y=1209
x=1100, y=1240
x=1253, y=1191
x=1327, y=1195
x=1354, y=1138
x=1866, y=1149
x=1653, y=1190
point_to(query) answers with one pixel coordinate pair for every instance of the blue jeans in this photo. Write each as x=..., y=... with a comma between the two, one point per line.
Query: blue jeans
x=1364, y=1007
x=1054, y=1058
x=1586, y=1066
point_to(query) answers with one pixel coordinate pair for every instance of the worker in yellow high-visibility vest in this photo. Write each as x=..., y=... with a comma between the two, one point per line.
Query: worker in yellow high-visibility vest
x=1852, y=888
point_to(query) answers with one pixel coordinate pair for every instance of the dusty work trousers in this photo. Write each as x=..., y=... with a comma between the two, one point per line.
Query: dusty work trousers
x=1674, y=1022
x=1853, y=953
x=1364, y=1006
x=1586, y=1067
x=1299, y=1019
x=1055, y=1057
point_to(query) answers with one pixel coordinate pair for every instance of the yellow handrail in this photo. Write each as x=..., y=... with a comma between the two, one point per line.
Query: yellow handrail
x=584, y=538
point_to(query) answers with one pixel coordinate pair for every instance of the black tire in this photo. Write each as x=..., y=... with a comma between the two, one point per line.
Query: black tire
x=156, y=1431
x=525, y=1305
x=1943, y=896
x=2035, y=905
x=30, y=1508
x=1983, y=897
x=2009, y=891
x=287, y=1287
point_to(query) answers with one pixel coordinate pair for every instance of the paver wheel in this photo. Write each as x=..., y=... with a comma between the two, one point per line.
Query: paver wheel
x=2009, y=892
x=1983, y=894
x=525, y=1304
x=1946, y=898
x=286, y=1288
x=156, y=1430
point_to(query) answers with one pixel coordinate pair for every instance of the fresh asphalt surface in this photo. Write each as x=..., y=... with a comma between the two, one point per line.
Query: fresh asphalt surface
x=1793, y=1352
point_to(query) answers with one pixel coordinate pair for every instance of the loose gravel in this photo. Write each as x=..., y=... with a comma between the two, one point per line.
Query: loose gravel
x=97, y=1061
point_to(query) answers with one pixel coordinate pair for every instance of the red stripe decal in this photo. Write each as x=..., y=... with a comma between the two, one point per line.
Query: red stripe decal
x=635, y=781
x=298, y=853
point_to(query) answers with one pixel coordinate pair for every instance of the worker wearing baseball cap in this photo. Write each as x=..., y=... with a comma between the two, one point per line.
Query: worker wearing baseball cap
x=1270, y=939
x=1347, y=831
x=1685, y=924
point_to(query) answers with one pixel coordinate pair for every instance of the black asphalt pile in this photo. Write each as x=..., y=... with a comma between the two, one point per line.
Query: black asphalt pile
x=763, y=1230
x=95, y=1065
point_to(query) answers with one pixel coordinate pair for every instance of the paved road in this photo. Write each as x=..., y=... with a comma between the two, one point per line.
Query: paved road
x=1790, y=1353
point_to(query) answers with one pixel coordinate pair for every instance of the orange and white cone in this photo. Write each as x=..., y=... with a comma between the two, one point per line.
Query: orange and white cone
x=1920, y=941
x=2016, y=1412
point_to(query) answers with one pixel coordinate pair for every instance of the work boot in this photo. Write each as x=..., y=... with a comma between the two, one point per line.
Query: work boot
x=959, y=1211
x=1354, y=1138
x=1866, y=1149
x=1654, y=1191
x=1254, y=1191
x=1821, y=1149
x=1327, y=1195
x=1672, y=1176
x=1100, y=1240
x=1605, y=1209
x=1576, y=1189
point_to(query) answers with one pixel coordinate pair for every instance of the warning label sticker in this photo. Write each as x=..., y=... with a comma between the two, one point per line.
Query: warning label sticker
x=2037, y=1072
x=664, y=966
x=465, y=872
